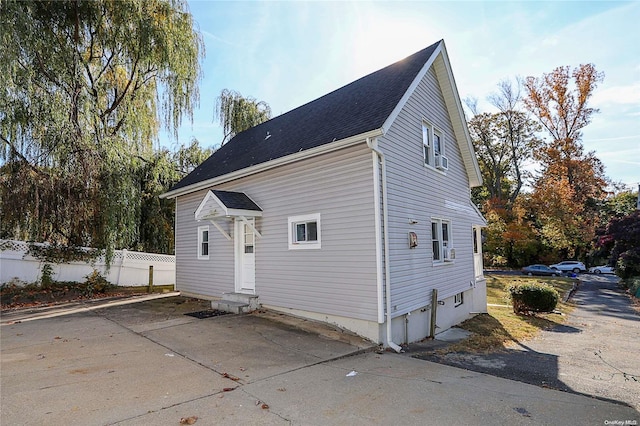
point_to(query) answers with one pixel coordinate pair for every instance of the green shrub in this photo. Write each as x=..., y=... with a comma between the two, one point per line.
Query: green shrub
x=46, y=279
x=96, y=283
x=533, y=297
x=628, y=264
x=632, y=284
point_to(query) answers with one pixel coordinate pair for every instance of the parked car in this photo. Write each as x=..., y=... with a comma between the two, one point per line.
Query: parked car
x=540, y=270
x=604, y=269
x=569, y=266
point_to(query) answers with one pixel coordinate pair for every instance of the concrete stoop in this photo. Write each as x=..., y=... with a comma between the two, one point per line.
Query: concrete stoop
x=236, y=303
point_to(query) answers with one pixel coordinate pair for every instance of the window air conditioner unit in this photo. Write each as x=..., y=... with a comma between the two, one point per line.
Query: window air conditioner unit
x=442, y=162
x=449, y=255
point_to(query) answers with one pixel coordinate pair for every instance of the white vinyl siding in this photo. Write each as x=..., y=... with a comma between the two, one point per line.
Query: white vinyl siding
x=419, y=193
x=338, y=279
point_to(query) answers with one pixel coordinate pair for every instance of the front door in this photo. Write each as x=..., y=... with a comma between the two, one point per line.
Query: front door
x=245, y=257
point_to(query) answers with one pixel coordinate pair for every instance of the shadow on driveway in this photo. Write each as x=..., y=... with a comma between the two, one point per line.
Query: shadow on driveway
x=593, y=354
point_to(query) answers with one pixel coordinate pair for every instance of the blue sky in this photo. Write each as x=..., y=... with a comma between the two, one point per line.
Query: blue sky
x=289, y=53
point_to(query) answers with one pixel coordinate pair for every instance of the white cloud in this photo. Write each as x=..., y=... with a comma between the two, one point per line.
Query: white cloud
x=618, y=95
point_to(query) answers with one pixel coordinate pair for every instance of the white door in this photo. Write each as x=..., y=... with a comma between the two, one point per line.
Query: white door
x=245, y=257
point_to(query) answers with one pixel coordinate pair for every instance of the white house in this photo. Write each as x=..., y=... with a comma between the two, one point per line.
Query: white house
x=350, y=209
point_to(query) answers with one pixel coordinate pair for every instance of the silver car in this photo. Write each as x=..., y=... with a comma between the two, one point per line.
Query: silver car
x=604, y=269
x=569, y=266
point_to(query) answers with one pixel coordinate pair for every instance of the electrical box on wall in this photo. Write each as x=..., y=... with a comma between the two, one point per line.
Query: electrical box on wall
x=413, y=240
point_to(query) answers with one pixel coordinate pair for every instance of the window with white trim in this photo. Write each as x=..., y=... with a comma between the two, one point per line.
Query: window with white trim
x=441, y=240
x=458, y=299
x=433, y=147
x=203, y=242
x=304, y=232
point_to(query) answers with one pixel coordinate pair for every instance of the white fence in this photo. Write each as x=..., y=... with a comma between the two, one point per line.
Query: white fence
x=128, y=268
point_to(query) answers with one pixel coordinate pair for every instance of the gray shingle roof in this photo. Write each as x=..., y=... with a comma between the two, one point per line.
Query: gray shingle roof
x=236, y=200
x=356, y=108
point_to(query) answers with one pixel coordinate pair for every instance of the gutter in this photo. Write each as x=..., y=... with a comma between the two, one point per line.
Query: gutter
x=372, y=144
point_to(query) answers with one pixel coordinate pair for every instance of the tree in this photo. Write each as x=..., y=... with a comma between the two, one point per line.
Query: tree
x=156, y=176
x=621, y=239
x=504, y=142
x=237, y=113
x=566, y=194
x=86, y=85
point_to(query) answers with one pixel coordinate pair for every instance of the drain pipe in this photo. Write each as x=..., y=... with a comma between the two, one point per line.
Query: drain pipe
x=385, y=223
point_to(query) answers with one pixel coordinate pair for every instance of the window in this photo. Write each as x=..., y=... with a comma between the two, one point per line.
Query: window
x=441, y=240
x=427, y=144
x=304, y=232
x=203, y=242
x=476, y=246
x=458, y=299
x=433, y=145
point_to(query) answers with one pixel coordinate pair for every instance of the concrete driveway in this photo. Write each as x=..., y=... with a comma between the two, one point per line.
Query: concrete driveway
x=148, y=363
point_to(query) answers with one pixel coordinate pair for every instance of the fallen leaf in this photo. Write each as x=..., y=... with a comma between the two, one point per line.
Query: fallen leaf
x=281, y=389
x=228, y=389
x=188, y=420
x=265, y=407
x=230, y=376
x=57, y=338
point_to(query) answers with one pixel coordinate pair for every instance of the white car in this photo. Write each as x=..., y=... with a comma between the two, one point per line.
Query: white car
x=604, y=269
x=570, y=266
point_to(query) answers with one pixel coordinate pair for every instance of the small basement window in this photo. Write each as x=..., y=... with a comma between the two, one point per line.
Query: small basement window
x=304, y=232
x=203, y=242
x=458, y=299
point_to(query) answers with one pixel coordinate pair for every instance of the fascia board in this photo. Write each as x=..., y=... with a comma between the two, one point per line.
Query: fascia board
x=202, y=204
x=302, y=155
x=414, y=84
x=246, y=213
x=462, y=131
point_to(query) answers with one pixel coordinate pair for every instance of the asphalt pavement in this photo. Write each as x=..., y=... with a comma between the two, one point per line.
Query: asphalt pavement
x=149, y=363
x=595, y=353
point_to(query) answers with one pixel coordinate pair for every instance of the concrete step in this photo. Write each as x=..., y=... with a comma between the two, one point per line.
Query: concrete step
x=250, y=299
x=230, y=306
x=236, y=303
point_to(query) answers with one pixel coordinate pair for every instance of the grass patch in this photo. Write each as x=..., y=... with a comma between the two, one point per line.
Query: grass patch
x=501, y=328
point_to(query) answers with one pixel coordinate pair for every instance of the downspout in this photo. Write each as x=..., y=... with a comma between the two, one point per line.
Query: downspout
x=385, y=223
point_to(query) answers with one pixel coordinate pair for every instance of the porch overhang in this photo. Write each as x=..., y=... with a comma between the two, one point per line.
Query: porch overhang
x=218, y=206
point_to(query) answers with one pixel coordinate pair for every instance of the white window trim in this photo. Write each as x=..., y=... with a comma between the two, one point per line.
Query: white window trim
x=432, y=131
x=444, y=260
x=201, y=229
x=458, y=299
x=303, y=245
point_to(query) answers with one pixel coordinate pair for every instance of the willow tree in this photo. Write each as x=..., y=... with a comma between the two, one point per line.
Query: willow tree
x=86, y=87
x=237, y=113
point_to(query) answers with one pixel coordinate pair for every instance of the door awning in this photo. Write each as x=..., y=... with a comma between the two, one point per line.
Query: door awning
x=226, y=205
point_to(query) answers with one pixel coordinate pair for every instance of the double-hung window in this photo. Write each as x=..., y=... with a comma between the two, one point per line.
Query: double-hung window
x=304, y=232
x=203, y=242
x=441, y=240
x=433, y=147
